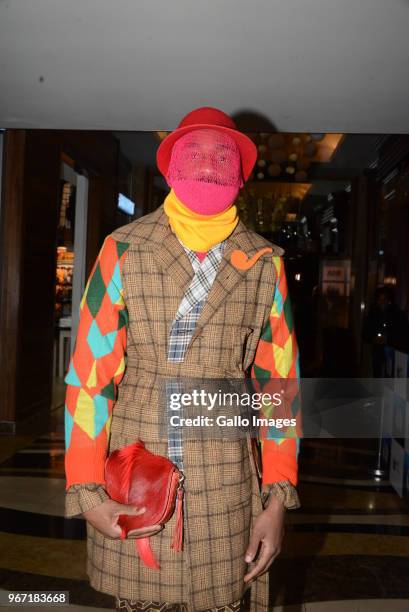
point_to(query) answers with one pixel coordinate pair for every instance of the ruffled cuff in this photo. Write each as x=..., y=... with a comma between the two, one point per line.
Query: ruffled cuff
x=285, y=491
x=82, y=497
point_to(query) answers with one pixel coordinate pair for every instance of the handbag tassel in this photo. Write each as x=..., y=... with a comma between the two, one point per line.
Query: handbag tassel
x=177, y=539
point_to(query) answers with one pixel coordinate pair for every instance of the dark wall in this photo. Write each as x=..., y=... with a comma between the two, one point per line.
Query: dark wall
x=40, y=210
x=28, y=252
x=11, y=241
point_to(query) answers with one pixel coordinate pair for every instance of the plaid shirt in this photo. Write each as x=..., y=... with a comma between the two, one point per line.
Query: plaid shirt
x=183, y=327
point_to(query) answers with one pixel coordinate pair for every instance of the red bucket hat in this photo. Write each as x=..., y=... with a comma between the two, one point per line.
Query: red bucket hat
x=215, y=119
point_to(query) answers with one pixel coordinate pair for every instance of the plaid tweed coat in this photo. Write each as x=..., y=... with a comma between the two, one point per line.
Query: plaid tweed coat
x=222, y=490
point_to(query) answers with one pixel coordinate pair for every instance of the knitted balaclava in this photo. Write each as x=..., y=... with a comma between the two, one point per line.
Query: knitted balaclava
x=205, y=171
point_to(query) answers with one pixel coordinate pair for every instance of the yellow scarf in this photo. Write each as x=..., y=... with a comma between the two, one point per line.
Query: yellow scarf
x=199, y=232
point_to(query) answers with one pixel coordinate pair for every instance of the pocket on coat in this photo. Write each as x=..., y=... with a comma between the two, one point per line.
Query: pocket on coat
x=241, y=336
x=236, y=473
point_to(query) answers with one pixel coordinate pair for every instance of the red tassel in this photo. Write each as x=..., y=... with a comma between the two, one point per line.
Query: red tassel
x=144, y=550
x=177, y=539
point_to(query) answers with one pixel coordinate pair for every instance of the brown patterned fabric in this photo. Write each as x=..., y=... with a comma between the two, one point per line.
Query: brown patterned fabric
x=80, y=498
x=129, y=605
x=222, y=492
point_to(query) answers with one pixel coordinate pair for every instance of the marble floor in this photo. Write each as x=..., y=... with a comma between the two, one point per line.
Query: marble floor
x=346, y=548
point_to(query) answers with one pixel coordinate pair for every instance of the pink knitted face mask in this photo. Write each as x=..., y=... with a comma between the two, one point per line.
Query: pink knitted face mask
x=205, y=171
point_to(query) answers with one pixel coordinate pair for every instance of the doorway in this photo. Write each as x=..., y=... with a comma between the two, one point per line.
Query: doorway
x=70, y=267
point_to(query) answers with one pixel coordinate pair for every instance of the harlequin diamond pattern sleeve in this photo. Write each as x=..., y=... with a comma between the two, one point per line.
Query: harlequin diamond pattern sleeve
x=96, y=368
x=277, y=357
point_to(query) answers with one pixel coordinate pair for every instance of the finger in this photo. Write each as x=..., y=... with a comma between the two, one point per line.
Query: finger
x=112, y=532
x=128, y=509
x=142, y=534
x=261, y=564
x=145, y=531
x=115, y=528
x=148, y=534
x=107, y=528
x=252, y=548
x=262, y=570
x=269, y=564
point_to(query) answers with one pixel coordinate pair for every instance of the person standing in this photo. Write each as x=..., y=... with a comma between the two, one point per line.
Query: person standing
x=385, y=327
x=185, y=291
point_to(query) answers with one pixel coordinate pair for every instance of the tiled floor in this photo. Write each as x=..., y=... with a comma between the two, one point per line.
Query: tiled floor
x=347, y=548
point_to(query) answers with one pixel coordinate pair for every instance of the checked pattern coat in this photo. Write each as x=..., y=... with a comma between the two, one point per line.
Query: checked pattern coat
x=245, y=326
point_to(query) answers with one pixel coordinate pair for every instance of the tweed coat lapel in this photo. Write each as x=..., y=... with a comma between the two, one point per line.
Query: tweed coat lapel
x=228, y=276
x=173, y=260
x=167, y=250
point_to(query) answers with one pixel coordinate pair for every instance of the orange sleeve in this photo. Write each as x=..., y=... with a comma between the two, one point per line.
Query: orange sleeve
x=96, y=367
x=277, y=361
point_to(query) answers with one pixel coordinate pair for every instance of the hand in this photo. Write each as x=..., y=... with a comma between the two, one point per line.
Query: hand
x=268, y=531
x=104, y=518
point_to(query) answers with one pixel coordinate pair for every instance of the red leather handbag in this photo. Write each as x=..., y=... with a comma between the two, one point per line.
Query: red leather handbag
x=135, y=476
